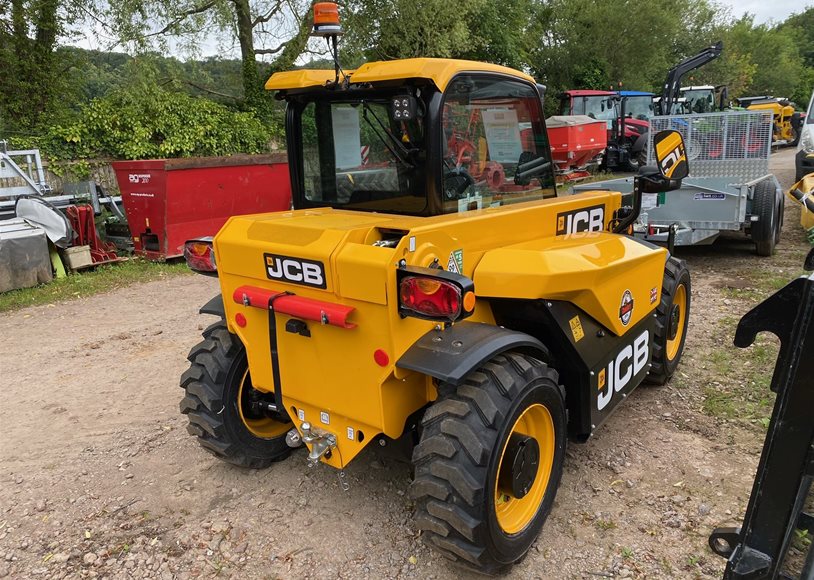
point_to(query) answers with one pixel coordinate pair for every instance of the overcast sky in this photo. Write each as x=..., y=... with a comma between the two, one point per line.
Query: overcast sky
x=765, y=10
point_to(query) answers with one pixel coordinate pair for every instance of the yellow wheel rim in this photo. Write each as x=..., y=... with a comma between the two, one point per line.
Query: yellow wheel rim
x=514, y=514
x=265, y=428
x=679, y=301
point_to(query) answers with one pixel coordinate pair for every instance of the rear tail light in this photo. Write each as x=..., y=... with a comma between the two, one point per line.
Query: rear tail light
x=435, y=294
x=200, y=256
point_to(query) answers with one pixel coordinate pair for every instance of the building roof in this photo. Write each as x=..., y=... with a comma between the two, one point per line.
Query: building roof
x=439, y=70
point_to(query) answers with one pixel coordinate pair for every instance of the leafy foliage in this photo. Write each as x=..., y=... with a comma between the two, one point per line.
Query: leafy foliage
x=131, y=125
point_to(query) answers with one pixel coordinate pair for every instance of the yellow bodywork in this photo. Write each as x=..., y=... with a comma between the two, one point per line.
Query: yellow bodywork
x=331, y=379
x=439, y=70
x=782, y=119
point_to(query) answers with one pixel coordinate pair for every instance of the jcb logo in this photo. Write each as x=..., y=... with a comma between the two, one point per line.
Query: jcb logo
x=627, y=364
x=586, y=219
x=295, y=270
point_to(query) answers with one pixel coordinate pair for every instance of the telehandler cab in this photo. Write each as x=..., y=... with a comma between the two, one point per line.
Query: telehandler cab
x=430, y=287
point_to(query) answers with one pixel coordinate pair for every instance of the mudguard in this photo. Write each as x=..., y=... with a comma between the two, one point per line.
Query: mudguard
x=214, y=307
x=640, y=144
x=450, y=354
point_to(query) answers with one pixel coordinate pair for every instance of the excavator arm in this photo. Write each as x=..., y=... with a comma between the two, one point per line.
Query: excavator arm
x=670, y=90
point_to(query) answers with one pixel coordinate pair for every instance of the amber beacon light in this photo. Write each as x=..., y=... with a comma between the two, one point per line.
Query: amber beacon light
x=326, y=19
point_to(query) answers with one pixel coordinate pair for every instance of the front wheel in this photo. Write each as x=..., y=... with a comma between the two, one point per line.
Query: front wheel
x=226, y=413
x=672, y=317
x=489, y=462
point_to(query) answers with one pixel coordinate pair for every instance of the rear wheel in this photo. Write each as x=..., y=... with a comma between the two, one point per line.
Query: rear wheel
x=489, y=462
x=225, y=411
x=637, y=160
x=672, y=317
x=766, y=230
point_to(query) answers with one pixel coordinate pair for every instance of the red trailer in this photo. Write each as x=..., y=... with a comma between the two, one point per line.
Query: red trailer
x=169, y=201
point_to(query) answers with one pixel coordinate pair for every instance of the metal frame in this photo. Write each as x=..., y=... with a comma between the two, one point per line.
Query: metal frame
x=758, y=549
x=33, y=176
x=728, y=156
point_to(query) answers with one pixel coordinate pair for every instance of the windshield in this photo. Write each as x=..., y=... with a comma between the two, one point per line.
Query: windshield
x=639, y=107
x=495, y=145
x=355, y=156
x=699, y=101
x=600, y=107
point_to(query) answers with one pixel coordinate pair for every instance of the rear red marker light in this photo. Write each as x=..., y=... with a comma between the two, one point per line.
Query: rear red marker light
x=200, y=256
x=434, y=294
x=382, y=359
x=240, y=319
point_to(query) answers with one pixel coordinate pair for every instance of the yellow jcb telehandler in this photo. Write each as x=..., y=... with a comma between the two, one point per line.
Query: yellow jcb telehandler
x=431, y=287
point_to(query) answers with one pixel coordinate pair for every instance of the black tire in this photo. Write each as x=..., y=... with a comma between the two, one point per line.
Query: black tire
x=212, y=384
x=781, y=212
x=671, y=324
x=764, y=231
x=458, y=459
x=795, y=138
x=636, y=161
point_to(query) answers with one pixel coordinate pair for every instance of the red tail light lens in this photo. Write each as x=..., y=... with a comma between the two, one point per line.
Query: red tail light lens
x=200, y=256
x=430, y=298
x=442, y=296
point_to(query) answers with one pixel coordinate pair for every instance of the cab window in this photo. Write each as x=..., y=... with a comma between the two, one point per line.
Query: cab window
x=495, y=151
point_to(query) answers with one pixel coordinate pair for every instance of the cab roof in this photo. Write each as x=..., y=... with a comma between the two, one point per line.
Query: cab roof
x=438, y=70
x=588, y=93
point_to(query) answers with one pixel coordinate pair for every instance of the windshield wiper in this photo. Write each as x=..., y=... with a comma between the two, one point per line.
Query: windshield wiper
x=396, y=148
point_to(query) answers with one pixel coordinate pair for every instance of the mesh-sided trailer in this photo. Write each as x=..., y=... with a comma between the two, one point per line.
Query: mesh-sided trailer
x=729, y=187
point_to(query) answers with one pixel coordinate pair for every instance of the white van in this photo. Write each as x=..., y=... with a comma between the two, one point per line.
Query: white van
x=804, y=163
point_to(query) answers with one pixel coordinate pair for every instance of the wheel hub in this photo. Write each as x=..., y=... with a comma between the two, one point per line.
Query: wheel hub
x=674, y=319
x=520, y=462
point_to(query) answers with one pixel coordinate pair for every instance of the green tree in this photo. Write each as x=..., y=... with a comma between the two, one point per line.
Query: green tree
x=32, y=79
x=274, y=28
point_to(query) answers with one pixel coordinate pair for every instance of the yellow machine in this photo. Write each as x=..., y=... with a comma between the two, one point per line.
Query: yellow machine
x=432, y=291
x=786, y=130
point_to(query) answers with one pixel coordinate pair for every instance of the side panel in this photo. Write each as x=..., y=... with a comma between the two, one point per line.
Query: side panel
x=598, y=369
x=614, y=279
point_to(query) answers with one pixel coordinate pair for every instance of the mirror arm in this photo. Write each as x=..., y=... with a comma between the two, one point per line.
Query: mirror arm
x=627, y=221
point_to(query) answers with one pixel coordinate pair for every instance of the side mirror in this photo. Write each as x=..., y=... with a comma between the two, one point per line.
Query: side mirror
x=671, y=156
x=671, y=168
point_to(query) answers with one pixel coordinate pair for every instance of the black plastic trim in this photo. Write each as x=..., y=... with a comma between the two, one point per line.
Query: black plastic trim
x=214, y=307
x=452, y=353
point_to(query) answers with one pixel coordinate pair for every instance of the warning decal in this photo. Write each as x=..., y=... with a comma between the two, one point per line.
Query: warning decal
x=456, y=261
x=576, y=328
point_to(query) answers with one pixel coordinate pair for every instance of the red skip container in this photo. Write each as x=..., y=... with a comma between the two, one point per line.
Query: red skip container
x=169, y=201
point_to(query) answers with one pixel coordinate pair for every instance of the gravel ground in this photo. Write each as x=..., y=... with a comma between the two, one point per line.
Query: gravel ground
x=100, y=479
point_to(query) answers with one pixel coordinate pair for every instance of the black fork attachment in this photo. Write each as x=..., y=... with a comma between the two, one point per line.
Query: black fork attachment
x=757, y=550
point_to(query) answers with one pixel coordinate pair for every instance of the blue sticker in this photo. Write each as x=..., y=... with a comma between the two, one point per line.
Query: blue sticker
x=709, y=196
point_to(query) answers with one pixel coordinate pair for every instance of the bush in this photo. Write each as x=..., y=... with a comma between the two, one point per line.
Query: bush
x=133, y=125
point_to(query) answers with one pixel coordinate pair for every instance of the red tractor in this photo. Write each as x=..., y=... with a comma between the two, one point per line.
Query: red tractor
x=623, y=129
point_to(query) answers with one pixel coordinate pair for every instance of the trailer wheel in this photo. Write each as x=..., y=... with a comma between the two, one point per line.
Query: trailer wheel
x=219, y=399
x=489, y=462
x=766, y=230
x=672, y=316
